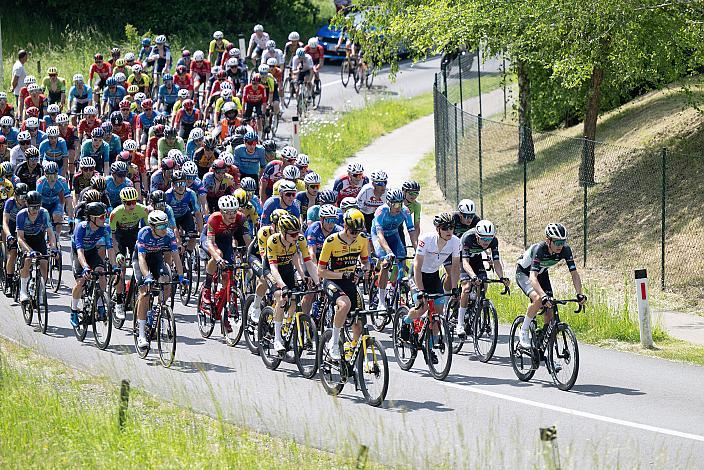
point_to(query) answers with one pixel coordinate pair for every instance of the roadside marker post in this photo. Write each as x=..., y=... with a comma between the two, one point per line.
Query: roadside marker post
x=124, y=403
x=646, y=332
x=242, y=45
x=551, y=453
x=296, y=139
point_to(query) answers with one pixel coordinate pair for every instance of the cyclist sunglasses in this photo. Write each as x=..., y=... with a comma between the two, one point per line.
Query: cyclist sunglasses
x=354, y=231
x=180, y=184
x=289, y=194
x=229, y=211
x=486, y=239
x=412, y=193
x=356, y=175
x=314, y=186
x=330, y=220
x=34, y=208
x=25, y=142
x=161, y=226
x=130, y=203
x=396, y=205
x=559, y=242
x=379, y=183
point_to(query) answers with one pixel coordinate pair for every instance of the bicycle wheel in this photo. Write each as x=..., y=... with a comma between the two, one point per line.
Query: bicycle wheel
x=345, y=72
x=40, y=303
x=358, y=79
x=269, y=356
x=116, y=322
x=3, y=262
x=378, y=318
x=166, y=335
x=55, y=272
x=485, y=331
x=250, y=328
x=563, y=357
x=102, y=327
x=232, y=310
x=404, y=349
x=369, y=78
x=439, y=346
x=451, y=314
x=288, y=91
x=142, y=352
x=206, y=323
x=305, y=346
x=332, y=374
x=521, y=360
x=27, y=311
x=275, y=124
x=184, y=291
x=301, y=103
x=83, y=317
x=317, y=94
x=195, y=256
x=373, y=371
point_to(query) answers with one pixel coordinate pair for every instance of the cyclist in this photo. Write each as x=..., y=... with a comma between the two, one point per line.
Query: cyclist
x=190, y=172
x=217, y=47
x=52, y=111
x=475, y=242
x=183, y=81
x=309, y=197
x=141, y=80
x=54, y=149
x=55, y=193
x=6, y=109
x=128, y=116
x=24, y=93
x=112, y=139
x=98, y=150
x=250, y=157
x=254, y=98
x=372, y=196
x=151, y=152
x=116, y=182
x=9, y=227
x=7, y=173
x=55, y=86
x=89, y=122
x=294, y=43
x=33, y=230
x=161, y=179
x=97, y=184
x=337, y=263
x=217, y=182
x=272, y=52
x=137, y=158
x=145, y=50
x=273, y=171
x=256, y=254
x=317, y=53
x=36, y=135
x=257, y=43
x=112, y=95
x=149, y=263
x=120, y=127
x=247, y=209
x=160, y=55
x=206, y=155
x=36, y=99
x=168, y=94
x=350, y=184
x=83, y=177
x=285, y=200
x=433, y=249
x=8, y=130
x=185, y=118
x=101, y=70
x=4, y=150
x=411, y=190
x=533, y=278
x=184, y=203
x=226, y=128
x=319, y=231
x=232, y=103
x=125, y=221
x=29, y=171
x=200, y=72
x=284, y=250
x=195, y=141
x=171, y=144
x=465, y=218
x=387, y=243
x=302, y=65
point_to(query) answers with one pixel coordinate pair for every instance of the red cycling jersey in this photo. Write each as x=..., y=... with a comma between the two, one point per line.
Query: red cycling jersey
x=102, y=71
x=254, y=95
x=85, y=128
x=200, y=68
x=123, y=131
x=316, y=53
x=217, y=226
x=183, y=81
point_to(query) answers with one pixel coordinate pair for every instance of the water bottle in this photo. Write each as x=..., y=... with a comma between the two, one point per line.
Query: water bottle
x=349, y=348
x=315, y=309
x=150, y=318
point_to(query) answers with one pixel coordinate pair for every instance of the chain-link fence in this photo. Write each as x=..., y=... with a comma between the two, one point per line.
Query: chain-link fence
x=637, y=210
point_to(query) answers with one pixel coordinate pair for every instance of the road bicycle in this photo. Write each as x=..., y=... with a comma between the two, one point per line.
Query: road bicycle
x=161, y=323
x=555, y=343
x=430, y=333
x=298, y=331
x=36, y=289
x=191, y=268
x=317, y=91
x=303, y=98
x=364, y=361
x=226, y=304
x=130, y=295
x=364, y=75
x=289, y=87
x=270, y=124
x=55, y=269
x=397, y=296
x=91, y=297
x=481, y=322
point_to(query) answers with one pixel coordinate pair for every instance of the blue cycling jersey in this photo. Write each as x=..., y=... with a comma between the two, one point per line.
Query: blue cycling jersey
x=11, y=209
x=197, y=187
x=146, y=121
x=114, y=146
x=51, y=193
x=191, y=147
x=113, y=97
x=41, y=223
x=188, y=204
x=274, y=203
x=81, y=97
x=11, y=136
x=100, y=155
x=166, y=96
x=157, y=182
x=250, y=163
x=148, y=243
x=112, y=189
x=257, y=203
x=54, y=153
x=388, y=224
x=315, y=236
x=87, y=238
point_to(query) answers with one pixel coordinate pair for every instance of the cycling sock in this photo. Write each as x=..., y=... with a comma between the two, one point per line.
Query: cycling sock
x=23, y=284
x=335, y=335
x=257, y=301
x=407, y=319
x=277, y=330
x=208, y=281
x=526, y=324
x=140, y=325
x=460, y=316
x=74, y=303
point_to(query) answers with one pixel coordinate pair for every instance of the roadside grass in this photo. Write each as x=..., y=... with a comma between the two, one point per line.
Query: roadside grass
x=329, y=143
x=54, y=416
x=603, y=323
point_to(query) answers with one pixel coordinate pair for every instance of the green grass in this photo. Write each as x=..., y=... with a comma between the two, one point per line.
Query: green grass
x=56, y=417
x=330, y=143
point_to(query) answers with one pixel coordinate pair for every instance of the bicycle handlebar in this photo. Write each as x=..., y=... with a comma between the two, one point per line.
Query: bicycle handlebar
x=507, y=289
x=567, y=301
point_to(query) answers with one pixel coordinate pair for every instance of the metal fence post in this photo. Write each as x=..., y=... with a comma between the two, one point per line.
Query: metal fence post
x=525, y=203
x=585, y=226
x=663, y=225
x=481, y=171
x=457, y=165
x=461, y=92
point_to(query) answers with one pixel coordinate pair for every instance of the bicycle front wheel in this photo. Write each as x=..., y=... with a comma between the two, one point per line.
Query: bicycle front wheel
x=317, y=94
x=232, y=310
x=184, y=291
x=55, y=272
x=305, y=346
x=373, y=371
x=451, y=314
x=288, y=91
x=563, y=357
x=438, y=349
x=102, y=324
x=370, y=78
x=332, y=373
x=41, y=304
x=166, y=336
x=251, y=328
x=404, y=350
x=521, y=360
x=206, y=322
x=267, y=352
x=345, y=72
x=486, y=331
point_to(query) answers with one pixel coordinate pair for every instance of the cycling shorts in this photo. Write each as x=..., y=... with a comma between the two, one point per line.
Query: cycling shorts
x=523, y=281
x=432, y=284
x=477, y=265
x=54, y=207
x=155, y=264
x=186, y=222
x=302, y=74
x=93, y=258
x=336, y=288
x=394, y=242
x=37, y=243
x=249, y=108
x=288, y=275
x=126, y=240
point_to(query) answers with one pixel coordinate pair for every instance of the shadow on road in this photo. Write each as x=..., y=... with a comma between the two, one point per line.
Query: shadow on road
x=195, y=366
x=592, y=390
x=404, y=406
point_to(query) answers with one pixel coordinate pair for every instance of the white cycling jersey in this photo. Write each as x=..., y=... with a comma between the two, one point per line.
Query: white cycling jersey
x=276, y=53
x=259, y=41
x=306, y=61
x=433, y=258
x=367, y=201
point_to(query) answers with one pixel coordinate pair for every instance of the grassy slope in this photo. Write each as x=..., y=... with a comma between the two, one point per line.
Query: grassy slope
x=56, y=417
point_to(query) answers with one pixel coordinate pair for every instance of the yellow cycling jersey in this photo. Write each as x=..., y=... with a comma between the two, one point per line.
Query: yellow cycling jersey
x=142, y=83
x=337, y=255
x=281, y=254
x=214, y=47
x=270, y=83
x=250, y=213
x=221, y=102
x=263, y=237
x=300, y=185
x=7, y=190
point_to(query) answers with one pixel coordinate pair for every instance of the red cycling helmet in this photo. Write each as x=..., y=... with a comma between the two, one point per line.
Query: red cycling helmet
x=181, y=69
x=124, y=156
x=229, y=46
x=159, y=130
x=222, y=75
x=188, y=105
x=186, y=53
x=147, y=104
x=32, y=112
x=125, y=104
x=218, y=164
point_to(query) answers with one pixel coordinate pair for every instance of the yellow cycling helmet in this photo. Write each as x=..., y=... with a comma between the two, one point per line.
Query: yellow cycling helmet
x=120, y=63
x=354, y=219
x=132, y=89
x=276, y=215
x=290, y=223
x=52, y=71
x=242, y=197
x=129, y=194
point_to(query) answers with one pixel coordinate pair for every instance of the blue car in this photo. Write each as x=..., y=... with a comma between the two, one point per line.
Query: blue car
x=328, y=37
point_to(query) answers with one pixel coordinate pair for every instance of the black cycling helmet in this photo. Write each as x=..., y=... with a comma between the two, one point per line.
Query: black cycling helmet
x=178, y=176
x=326, y=196
x=170, y=131
x=161, y=119
x=444, y=220
x=411, y=185
x=209, y=142
x=240, y=131
x=269, y=145
x=157, y=196
x=21, y=189
x=95, y=209
x=116, y=118
x=34, y=198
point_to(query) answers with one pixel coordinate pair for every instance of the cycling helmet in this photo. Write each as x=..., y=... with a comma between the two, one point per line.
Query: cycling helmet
x=53, y=109
x=286, y=186
x=466, y=207
x=129, y=194
x=181, y=69
x=240, y=131
x=379, y=176
x=157, y=217
x=32, y=153
x=95, y=209
x=271, y=44
x=161, y=39
x=97, y=133
x=32, y=112
x=444, y=220
x=355, y=168
x=53, y=131
x=302, y=160
x=24, y=135
x=188, y=104
x=229, y=107
x=411, y=185
x=289, y=153
x=147, y=104
x=221, y=75
x=196, y=134
x=485, y=228
x=90, y=110
x=98, y=182
x=78, y=78
x=209, y=142
x=62, y=119
x=125, y=104
x=168, y=163
x=228, y=158
x=111, y=81
x=119, y=168
x=162, y=119
x=107, y=127
x=328, y=211
x=158, y=130
x=34, y=198
x=234, y=52
x=50, y=168
x=146, y=41
x=272, y=62
x=92, y=195
x=228, y=203
x=294, y=36
x=119, y=63
x=289, y=223
x=178, y=176
x=198, y=56
x=226, y=94
x=251, y=137
x=300, y=52
x=248, y=184
x=226, y=86
x=183, y=93
x=556, y=231
x=120, y=77
x=87, y=162
x=258, y=28
x=136, y=68
x=115, y=51
x=218, y=164
x=190, y=169
x=21, y=189
x=125, y=156
x=313, y=42
x=52, y=71
x=231, y=62
x=241, y=196
x=291, y=172
x=157, y=196
x=116, y=119
x=6, y=121
x=312, y=178
x=29, y=79
x=130, y=145
x=269, y=145
x=394, y=196
x=167, y=77
x=263, y=69
x=354, y=219
x=129, y=57
x=256, y=78
x=8, y=169
x=348, y=203
x=218, y=35
x=276, y=215
x=170, y=132
x=327, y=196
x=34, y=88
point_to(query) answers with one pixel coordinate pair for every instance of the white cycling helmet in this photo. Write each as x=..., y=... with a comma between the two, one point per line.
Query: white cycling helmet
x=29, y=79
x=355, y=167
x=62, y=118
x=286, y=185
x=379, y=176
x=161, y=39
x=32, y=87
x=53, y=108
x=312, y=178
x=176, y=154
x=218, y=35
x=302, y=160
x=130, y=145
x=196, y=134
x=348, y=203
x=190, y=168
x=183, y=93
x=120, y=77
x=136, y=68
x=53, y=131
x=264, y=69
x=556, y=231
x=32, y=123
x=291, y=172
x=226, y=86
x=272, y=62
x=327, y=211
x=485, y=228
x=228, y=203
x=228, y=158
x=258, y=28
x=129, y=57
x=234, y=52
x=226, y=94
x=6, y=121
x=294, y=36
x=78, y=78
x=140, y=97
x=231, y=62
x=198, y=56
x=289, y=152
x=313, y=42
x=467, y=207
x=157, y=218
x=24, y=135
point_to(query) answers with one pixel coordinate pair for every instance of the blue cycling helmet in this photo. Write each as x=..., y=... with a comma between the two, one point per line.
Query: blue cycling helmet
x=111, y=81
x=394, y=196
x=326, y=196
x=97, y=132
x=146, y=41
x=167, y=76
x=51, y=168
x=251, y=137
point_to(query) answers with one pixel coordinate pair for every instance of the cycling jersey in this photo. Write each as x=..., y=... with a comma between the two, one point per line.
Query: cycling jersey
x=11, y=136
x=254, y=94
x=433, y=257
x=187, y=204
x=263, y=235
x=53, y=153
x=538, y=258
x=274, y=203
x=86, y=238
x=276, y=53
x=204, y=159
x=113, y=98
x=142, y=82
x=33, y=228
x=250, y=163
x=304, y=199
x=472, y=249
x=305, y=63
x=100, y=154
x=158, y=182
x=123, y=131
x=53, y=194
x=103, y=71
x=215, y=188
x=461, y=228
x=185, y=118
x=316, y=238
x=273, y=172
x=40, y=103
x=11, y=208
x=183, y=81
x=85, y=128
x=280, y=254
x=388, y=224
x=112, y=189
x=120, y=219
x=201, y=68
x=149, y=244
x=260, y=41
x=163, y=146
x=197, y=186
x=167, y=96
x=316, y=53
x=343, y=188
x=7, y=189
x=415, y=208
x=221, y=102
x=27, y=176
x=339, y=256
x=367, y=201
x=145, y=121
x=216, y=225
x=83, y=95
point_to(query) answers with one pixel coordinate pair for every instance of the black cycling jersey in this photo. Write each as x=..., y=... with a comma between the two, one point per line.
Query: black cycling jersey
x=461, y=228
x=27, y=176
x=539, y=259
x=471, y=247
